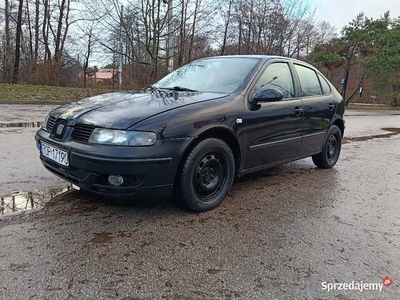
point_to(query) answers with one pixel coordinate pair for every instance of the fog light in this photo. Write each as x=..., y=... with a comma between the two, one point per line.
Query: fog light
x=115, y=180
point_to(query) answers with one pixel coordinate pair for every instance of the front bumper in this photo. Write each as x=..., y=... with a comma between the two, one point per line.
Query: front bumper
x=147, y=171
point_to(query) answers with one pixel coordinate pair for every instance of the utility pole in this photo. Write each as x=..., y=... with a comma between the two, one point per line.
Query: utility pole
x=120, y=49
x=171, y=42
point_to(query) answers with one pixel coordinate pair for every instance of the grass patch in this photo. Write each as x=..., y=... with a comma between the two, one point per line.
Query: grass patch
x=26, y=93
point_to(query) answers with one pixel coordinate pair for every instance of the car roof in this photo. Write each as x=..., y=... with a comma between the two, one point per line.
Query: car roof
x=262, y=57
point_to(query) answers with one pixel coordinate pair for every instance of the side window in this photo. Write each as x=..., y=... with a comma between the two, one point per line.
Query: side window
x=326, y=89
x=278, y=76
x=309, y=82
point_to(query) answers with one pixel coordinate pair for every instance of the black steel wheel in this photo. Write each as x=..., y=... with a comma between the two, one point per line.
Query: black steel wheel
x=330, y=149
x=207, y=175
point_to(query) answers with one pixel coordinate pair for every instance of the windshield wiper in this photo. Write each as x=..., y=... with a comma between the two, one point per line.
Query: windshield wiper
x=180, y=89
x=150, y=87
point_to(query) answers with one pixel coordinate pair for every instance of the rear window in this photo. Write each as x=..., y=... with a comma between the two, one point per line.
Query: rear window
x=309, y=82
x=326, y=89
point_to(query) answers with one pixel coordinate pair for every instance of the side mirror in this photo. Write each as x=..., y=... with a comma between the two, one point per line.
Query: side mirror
x=268, y=95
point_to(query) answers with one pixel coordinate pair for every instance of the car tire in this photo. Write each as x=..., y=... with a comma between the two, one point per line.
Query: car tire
x=329, y=155
x=207, y=175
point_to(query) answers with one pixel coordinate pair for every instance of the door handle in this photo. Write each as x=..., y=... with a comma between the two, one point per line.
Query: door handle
x=298, y=110
x=331, y=106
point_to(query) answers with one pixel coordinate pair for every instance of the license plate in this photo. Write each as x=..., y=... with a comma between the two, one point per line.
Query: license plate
x=55, y=154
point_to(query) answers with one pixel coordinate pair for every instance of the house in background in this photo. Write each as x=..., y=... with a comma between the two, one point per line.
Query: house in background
x=105, y=77
x=106, y=74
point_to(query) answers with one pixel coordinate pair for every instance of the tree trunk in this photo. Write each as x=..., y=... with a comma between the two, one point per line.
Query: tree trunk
x=28, y=15
x=357, y=90
x=58, y=38
x=87, y=57
x=346, y=79
x=18, y=42
x=240, y=37
x=182, y=34
x=45, y=29
x=198, y=2
x=227, y=21
x=7, y=58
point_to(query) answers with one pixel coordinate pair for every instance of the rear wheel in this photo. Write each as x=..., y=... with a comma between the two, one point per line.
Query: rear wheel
x=207, y=175
x=330, y=149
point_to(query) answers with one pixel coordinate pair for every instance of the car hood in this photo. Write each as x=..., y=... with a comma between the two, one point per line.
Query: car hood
x=122, y=110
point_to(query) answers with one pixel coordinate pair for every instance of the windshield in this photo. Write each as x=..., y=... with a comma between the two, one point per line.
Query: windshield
x=216, y=75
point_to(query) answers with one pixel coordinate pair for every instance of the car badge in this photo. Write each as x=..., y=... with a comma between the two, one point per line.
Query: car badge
x=60, y=129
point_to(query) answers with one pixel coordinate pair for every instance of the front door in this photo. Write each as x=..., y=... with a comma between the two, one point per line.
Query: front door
x=274, y=129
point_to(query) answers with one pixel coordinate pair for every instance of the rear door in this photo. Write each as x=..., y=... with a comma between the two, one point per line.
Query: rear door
x=319, y=107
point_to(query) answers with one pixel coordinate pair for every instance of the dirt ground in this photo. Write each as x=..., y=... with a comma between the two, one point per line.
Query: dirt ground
x=285, y=233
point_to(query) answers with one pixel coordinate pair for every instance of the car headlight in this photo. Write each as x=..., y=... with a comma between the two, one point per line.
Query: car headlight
x=122, y=138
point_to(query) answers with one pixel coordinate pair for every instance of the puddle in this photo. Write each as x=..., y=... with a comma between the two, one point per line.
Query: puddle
x=21, y=201
x=21, y=124
x=392, y=132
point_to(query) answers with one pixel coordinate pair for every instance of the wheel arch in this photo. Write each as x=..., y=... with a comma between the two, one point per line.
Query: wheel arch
x=340, y=123
x=219, y=133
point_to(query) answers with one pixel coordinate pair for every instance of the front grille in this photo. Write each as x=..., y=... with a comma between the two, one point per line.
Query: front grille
x=82, y=132
x=50, y=123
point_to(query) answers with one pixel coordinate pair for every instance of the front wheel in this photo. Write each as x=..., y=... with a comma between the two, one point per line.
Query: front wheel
x=207, y=175
x=330, y=149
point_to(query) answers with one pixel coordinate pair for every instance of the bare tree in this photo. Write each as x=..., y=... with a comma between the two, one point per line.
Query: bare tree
x=18, y=42
x=91, y=40
x=199, y=28
x=7, y=54
x=227, y=16
x=325, y=32
x=195, y=26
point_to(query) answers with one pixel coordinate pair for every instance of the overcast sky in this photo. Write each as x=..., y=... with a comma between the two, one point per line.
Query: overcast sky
x=340, y=12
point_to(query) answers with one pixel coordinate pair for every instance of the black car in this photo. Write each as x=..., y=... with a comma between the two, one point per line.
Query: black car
x=196, y=129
